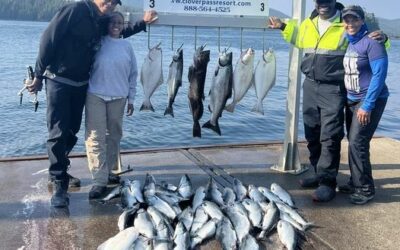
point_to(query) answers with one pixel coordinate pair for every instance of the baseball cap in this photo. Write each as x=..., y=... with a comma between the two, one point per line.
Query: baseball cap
x=354, y=10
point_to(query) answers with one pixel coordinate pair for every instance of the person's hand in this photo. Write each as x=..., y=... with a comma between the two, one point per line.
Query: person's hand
x=35, y=86
x=129, y=109
x=363, y=116
x=378, y=35
x=275, y=22
x=150, y=16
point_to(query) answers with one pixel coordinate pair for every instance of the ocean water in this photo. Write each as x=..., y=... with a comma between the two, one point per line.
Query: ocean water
x=23, y=132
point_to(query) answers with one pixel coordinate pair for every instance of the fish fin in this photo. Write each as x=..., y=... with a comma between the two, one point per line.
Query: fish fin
x=196, y=129
x=212, y=127
x=230, y=107
x=169, y=111
x=146, y=106
x=308, y=225
x=209, y=108
x=258, y=108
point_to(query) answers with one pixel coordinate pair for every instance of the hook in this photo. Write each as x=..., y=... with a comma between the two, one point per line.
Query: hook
x=263, y=46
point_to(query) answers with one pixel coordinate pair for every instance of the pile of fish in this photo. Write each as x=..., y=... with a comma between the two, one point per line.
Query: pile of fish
x=163, y=216
x=226, y=82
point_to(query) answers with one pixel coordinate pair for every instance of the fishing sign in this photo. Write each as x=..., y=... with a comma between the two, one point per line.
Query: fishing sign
x=253, y=8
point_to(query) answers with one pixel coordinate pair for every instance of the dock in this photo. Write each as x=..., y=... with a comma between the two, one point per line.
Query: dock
x=28, y=222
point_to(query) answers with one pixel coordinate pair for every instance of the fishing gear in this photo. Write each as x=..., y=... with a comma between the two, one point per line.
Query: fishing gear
x=28, y=81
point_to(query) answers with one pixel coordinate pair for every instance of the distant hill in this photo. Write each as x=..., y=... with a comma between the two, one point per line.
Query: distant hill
x=390, y=27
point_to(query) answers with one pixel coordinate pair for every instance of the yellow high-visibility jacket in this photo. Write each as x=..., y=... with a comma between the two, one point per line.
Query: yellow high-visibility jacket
x=323, y=55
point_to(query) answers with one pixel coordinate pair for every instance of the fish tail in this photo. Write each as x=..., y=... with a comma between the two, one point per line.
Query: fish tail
x=212, y=127
x=169, y=111
x=258, y=108
x=230, y=107
x=196, y=129
x=146, y=106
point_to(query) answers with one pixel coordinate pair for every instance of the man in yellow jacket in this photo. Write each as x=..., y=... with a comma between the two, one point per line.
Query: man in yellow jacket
x=322, y=38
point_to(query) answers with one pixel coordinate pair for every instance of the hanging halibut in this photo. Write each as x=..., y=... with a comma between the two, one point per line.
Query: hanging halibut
x=174, y=79
x=197, y=78
x=151, y=75
x=264, y=78
x=242, y=77
x=221, y=90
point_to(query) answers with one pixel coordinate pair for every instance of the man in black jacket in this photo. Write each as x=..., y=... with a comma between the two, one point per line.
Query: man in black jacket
x=66, y=53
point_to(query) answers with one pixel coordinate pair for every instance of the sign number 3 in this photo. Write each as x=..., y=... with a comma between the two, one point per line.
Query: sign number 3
x=152, y=3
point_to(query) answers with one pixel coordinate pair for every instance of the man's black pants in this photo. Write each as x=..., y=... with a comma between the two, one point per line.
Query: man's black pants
x=64, y=116
x=323, y=116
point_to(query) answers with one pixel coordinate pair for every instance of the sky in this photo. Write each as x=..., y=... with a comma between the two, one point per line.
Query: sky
x=388, y=9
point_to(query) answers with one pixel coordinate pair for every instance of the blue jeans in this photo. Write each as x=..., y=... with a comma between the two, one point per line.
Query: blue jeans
x=359, y=137
x=64, y=116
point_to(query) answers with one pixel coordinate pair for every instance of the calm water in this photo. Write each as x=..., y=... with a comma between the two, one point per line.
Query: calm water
x=23, y=132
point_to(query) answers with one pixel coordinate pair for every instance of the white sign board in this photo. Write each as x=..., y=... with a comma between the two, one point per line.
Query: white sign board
x=254, y=8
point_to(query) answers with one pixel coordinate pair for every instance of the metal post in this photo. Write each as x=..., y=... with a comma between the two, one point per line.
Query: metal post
x=289, y=161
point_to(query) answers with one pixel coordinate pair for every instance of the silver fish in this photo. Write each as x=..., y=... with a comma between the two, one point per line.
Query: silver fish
x=137, y=191
x=254, y=212
x=237, y=215
x=114, y=193
x=228, y=196
x=186, y=217
x=151, y=75
x=205, y=232
x=240, y=189
x=181, y=237
x=200, y=218
x=294, y=214
x=142, y=243
x=287, y=234
x=144, y=224
x=221, y=90
x=264, y=78
x=255, y=194
x=126, y=218
x=185, y=187
x=149, y=187
x=249, y=243
x=163, y=228
x=162, y=206
x=198, y=197
x=174, y=79
x=242, y=77
x=213, y=193
x=128, y=199
x=122, y=241
x=269, y=195
x=212, y=210
x=284, y=216
x=226, y=234
x=270, y=219
x=282, y=194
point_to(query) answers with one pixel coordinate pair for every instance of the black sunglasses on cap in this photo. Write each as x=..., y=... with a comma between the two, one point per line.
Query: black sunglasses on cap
x=324, y=1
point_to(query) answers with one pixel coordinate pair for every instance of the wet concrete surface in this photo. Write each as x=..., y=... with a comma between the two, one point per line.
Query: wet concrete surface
x=28, y=222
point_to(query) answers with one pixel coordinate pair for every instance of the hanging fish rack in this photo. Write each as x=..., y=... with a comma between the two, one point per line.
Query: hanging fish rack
x=210, y=21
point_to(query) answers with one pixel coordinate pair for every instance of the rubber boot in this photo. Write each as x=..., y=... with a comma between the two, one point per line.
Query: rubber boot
x=60, y=196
